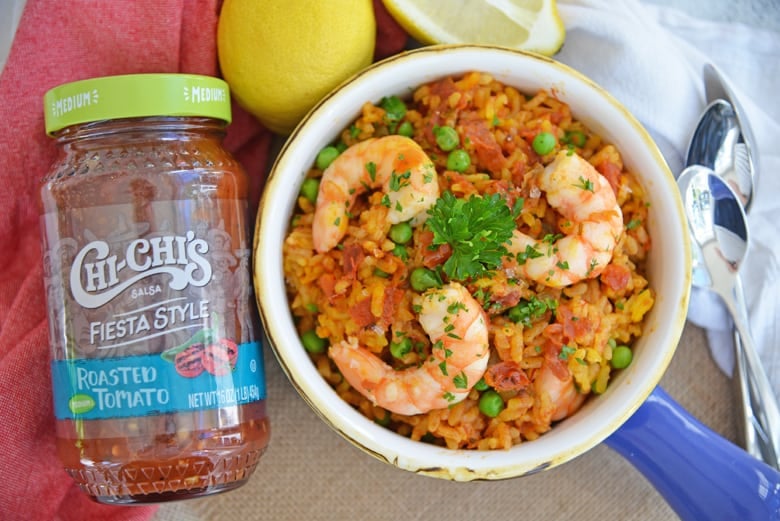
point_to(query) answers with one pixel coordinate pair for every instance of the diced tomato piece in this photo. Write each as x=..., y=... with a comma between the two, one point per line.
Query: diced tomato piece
x=393, y=297
x=361, y=313
x=574, y=327
x=616, y=276
x=507, y=376
x=437, y=256
x=327, y=283
x=612, y=172
x=485, y=145
x=352, y=256
x=554, y=333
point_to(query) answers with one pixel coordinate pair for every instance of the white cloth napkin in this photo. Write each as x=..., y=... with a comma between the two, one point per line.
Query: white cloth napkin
x=651, y=59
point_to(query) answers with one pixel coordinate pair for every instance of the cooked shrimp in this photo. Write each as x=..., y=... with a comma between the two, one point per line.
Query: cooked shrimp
x=457, y=326
x=585, y=198
x=396, y=164
x=564, y=397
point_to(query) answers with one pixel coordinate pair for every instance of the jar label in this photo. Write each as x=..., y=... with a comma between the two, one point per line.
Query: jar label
x=151, y=307
x=195, y=376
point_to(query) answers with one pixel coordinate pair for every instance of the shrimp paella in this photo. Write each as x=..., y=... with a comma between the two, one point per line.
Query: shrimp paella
x=467, y=266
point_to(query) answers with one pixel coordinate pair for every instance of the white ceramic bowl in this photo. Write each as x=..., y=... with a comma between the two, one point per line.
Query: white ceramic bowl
x=669, y=264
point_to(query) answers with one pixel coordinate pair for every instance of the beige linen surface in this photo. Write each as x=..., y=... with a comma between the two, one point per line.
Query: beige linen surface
x=310, y=473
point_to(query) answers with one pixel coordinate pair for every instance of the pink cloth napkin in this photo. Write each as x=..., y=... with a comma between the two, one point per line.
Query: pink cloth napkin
x=60, y=41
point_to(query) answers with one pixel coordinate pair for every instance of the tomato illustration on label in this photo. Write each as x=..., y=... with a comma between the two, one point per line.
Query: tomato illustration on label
x=189, y=363
x=216, y=360
x=202, y=353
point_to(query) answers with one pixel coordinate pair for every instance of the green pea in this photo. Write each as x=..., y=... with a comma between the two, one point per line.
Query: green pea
x=428, y=438
x=517, y=313
x=401, y=348
x=384, y=421
x=481, y=385
x=326, y=157
x=401, y=233
x=406, y=129
x=395, y=109
x=458, y=160
x=446, y=137
x=491, y=404
x=401, y=252
x=576, y=138
x=621, y=357
x=310, y=188
x=543, y=143
x=423, y=278
x=381, y=274
x=312, y=343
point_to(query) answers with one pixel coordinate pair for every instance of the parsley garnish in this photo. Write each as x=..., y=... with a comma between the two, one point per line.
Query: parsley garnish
x=371, y=168
x=455, y=307
x=476, y=229
x=565, y=352
x=593, y=264
x=527, y=311
x=398, y=180
x=430, y=171
x=529, y=253
x=585, y=184
x=461, y=381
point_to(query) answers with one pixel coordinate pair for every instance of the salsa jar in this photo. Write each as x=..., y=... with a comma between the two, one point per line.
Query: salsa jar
x=156, y=350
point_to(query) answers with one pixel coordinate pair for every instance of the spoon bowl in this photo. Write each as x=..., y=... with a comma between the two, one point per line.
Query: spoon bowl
x=717, y=221
x=718, y=142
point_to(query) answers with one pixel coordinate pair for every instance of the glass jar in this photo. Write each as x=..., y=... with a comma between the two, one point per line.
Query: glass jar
x=157, y=365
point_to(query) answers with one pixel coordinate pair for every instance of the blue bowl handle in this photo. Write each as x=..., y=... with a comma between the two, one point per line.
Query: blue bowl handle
x=699, y=473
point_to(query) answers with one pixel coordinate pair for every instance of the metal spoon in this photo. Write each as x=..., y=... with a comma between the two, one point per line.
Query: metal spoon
x=715, y=87
x=718, y=143
x=719, y=227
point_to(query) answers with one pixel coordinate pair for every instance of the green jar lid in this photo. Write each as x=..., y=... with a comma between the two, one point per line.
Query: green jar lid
x=133, y=96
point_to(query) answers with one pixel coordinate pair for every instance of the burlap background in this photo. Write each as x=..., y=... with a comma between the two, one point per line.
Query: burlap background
x=310, y=473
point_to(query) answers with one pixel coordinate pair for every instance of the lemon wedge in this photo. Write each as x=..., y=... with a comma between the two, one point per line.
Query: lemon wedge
x=530, y=25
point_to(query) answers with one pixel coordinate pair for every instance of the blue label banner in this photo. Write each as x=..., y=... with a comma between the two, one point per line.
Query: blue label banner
x=104, y=388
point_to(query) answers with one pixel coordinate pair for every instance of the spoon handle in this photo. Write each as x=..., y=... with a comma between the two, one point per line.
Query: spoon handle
x=747, y=433
x=760, y=407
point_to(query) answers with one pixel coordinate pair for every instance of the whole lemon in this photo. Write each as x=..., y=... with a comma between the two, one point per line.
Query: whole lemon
x=280, y=57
